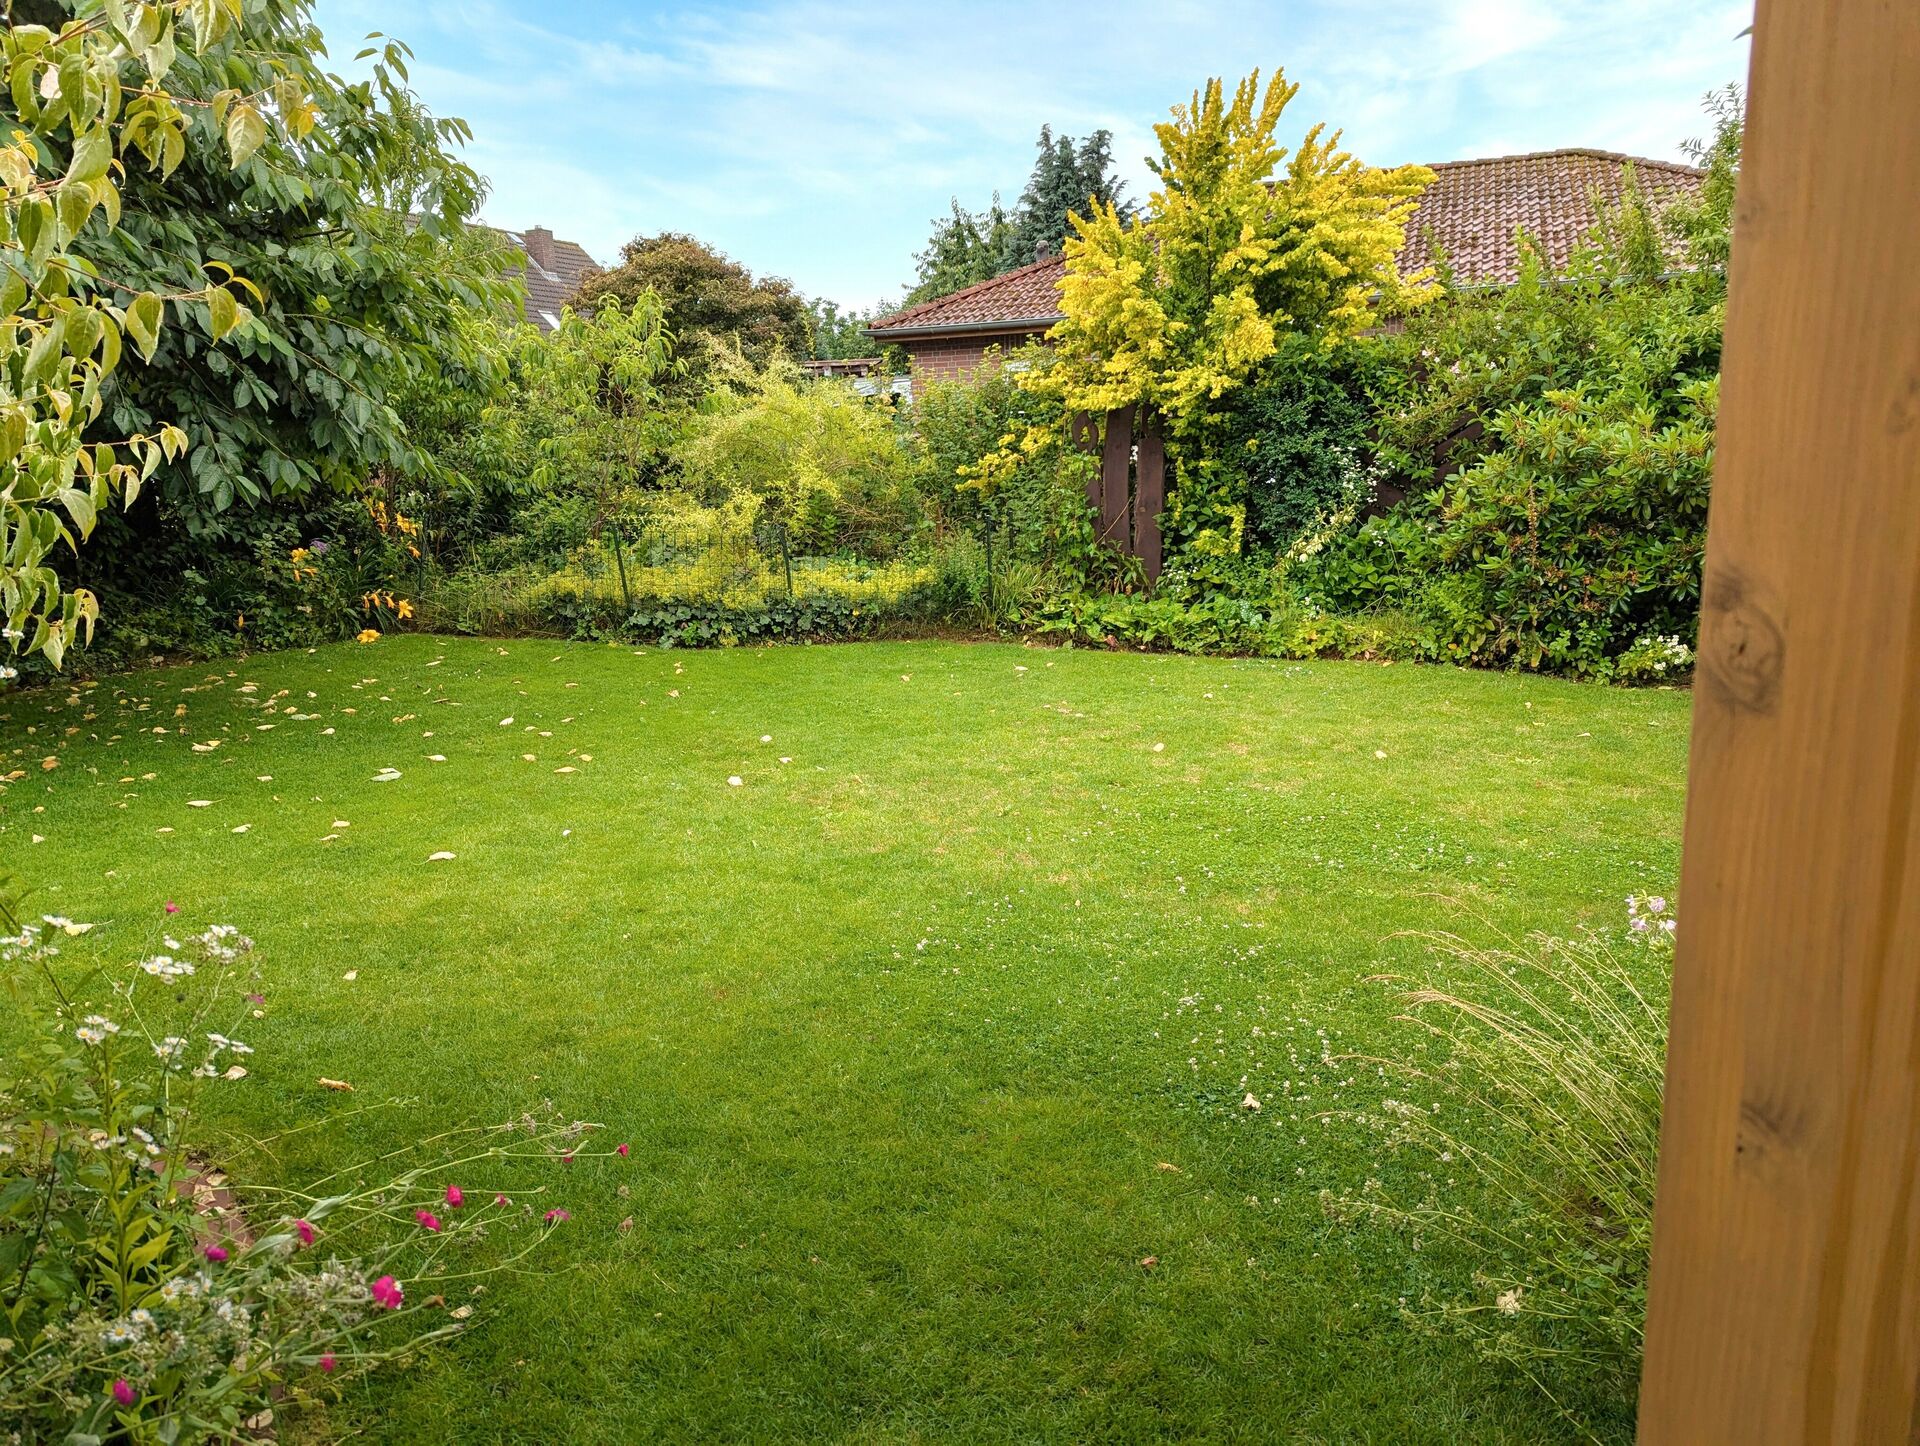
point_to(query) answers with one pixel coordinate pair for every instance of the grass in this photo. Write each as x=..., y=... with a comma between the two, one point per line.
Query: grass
x=902, y=1030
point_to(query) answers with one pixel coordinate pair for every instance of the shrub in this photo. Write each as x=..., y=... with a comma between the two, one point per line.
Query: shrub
x=1533, y=1116
x=128, y=1313
x=1294, y=445
x=808, y=457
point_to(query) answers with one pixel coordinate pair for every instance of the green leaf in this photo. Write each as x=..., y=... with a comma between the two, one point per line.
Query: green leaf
x=246, y=132
x=92, y=154
x=223, y=311
x=143, y=318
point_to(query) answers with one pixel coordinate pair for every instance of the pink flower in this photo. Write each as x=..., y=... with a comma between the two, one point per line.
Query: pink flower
x=327, y=1363
x=621, y=1150
x=501, y=1200
x=304, y=1229
x=554, y=1217
x=256, y=999
x=386, y=1293
x=216, y=1253
x=454, y=1198
x=123, y=1393
x=566, y=1159
x=428, y=1220
x=172, y=908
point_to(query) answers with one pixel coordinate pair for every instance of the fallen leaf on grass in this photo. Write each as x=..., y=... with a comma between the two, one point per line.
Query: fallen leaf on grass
x=1149, y=1262
x=1170, y=1169
x=735, y=781
x=334, y=1084
x=442, y=857
x=199, y=803
x=235, y=1071
x=242, y=828
x=351, y=975
x=436, y=758
x=341, y=823
x=1250, y=1103
x=565, y=770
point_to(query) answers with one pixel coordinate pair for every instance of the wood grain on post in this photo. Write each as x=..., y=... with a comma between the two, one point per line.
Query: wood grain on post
x=1116, y=462
x=1149, y=494
x=1785, y=1295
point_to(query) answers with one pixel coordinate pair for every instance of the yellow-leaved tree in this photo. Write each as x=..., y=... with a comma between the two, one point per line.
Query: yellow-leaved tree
x=1242, y=243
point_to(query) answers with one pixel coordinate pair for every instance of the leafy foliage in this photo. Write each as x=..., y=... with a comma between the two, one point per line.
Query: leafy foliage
x=810, y=458
x=1294, y=446
x=1068, y=180
x=1558, y=439
x=78, y=128
x=1178, y=310
x=709, y=298
x=350, y=233
x=967, y=247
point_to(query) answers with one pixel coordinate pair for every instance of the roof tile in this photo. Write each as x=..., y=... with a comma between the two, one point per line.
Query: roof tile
x=1473, y=209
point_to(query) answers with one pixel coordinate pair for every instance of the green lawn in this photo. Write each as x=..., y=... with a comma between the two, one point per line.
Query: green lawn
x=901, y=1028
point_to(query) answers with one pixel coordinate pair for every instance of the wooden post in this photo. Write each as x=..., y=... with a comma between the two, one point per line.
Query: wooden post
x=1116, y=461
x=1785, y=1295
x=1149, y=493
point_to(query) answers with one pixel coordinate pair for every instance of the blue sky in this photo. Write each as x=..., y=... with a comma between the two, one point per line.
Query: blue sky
x=816, y=139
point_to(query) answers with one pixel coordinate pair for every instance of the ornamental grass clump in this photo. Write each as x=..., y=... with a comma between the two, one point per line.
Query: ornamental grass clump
x=1521, y=1137
x=146, y=1298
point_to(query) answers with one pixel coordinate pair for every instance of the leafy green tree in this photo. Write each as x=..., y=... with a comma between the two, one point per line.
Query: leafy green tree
x=350, y=231
x=709, y=298
x=1705, y=224
x=812, y=459
x=838, y=335
x=1232, y=256
x=966, y=248
x=93, y=123
x=1068, y=180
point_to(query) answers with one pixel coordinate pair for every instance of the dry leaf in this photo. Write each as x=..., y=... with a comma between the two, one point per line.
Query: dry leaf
x=1149, y=1262
x=1250, y=1103
x=235, y=1071
x=441, y=857
x=351, y=975
x=335, y=1084
x=1170, y=1169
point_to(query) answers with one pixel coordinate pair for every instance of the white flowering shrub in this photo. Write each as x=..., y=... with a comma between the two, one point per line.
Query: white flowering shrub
x=1653, y=658
x=1528, y=1122
x=142, y=1299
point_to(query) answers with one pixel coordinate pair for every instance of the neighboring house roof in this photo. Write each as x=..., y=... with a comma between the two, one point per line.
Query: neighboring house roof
x=553, y=272
x=1472, y=209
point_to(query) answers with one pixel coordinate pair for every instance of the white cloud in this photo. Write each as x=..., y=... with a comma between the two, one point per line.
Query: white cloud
x=816, y=140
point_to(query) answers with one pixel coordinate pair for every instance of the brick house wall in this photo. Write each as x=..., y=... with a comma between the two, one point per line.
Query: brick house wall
x=952, y=358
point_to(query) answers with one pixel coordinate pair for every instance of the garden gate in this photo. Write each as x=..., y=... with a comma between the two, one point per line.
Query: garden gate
x=1129, y=490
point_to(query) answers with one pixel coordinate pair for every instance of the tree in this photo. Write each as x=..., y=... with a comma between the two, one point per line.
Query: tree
x=708, y=296
x=352, y=234
x=93, y=117
x=1177, y=310
x=1067, y=180
x=966, y=248
x=838, y=335
x=597, y=390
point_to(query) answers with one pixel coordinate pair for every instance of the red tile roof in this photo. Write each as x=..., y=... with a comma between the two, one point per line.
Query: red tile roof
x=550, y=285
x=1473, y=208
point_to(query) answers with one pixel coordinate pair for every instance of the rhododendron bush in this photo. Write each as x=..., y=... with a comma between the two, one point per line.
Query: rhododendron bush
x=143, y=1295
